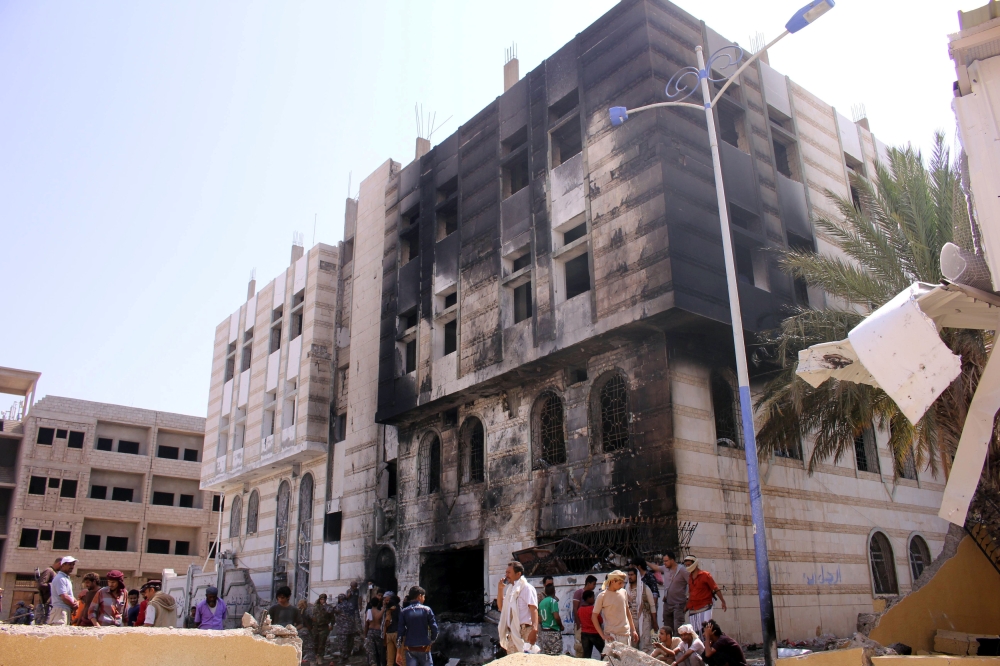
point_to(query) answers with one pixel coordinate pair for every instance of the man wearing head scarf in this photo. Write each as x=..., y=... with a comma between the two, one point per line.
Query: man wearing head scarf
x=702, y=591
x=109, y=603
x=612, y=603
x=210, y=613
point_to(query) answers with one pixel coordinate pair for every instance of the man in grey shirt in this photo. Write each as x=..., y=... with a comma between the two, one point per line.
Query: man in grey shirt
x=675, y=593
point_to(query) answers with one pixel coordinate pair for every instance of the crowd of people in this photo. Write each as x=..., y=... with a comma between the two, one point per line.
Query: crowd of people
x=626, y=610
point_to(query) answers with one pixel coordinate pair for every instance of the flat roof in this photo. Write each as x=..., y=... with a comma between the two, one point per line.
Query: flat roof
x=18, y=382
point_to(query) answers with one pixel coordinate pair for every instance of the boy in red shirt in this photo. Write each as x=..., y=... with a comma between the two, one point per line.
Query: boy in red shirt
x=589, y=637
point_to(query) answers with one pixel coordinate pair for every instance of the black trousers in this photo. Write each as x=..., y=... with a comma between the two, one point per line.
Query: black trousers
x=589, y=642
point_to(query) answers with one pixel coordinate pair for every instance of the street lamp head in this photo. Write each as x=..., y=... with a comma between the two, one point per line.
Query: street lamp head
x=619, y=114
x=808, y=14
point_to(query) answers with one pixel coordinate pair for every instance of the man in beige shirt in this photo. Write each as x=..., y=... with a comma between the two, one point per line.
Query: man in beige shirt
x=612, y=603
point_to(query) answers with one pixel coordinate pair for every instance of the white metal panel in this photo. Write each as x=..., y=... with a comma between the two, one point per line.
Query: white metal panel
x=294, y=358
x=776, y=89
x=301, y=267
x=331, y=561
x=234, y=326
x=244, y=394
x=978, y=116
x=567, y=190
x=881, y=151
x=288, y=435
x=849, y=138
x=227, y=398
x=279, y=290
x=272, y=371
x=251, y=313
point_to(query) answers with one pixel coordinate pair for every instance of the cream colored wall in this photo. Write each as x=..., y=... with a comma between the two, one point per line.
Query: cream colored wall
x=817, y=526
x=67, y=646
x=962, y=596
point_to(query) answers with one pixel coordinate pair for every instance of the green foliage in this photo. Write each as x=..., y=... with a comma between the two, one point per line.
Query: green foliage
x=892, y=239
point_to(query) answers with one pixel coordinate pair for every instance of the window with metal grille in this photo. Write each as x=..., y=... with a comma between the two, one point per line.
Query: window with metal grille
x=725, y=407
x=614, y=414
x=920, y=556
x=253, y=507
x=430, y=464
x=474, y=453
x=866, y=451
x=883, y=564
x=908, y=468
x=550, y=431
x=236, y=517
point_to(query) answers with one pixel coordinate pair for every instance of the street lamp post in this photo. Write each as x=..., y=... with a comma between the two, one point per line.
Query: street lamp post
x=682, y=85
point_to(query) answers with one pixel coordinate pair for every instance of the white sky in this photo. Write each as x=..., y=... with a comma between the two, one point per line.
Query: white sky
x=152, y=154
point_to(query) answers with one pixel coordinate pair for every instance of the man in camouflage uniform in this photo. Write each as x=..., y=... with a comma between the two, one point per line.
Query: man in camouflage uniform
x=347, y=623
x=322, y=615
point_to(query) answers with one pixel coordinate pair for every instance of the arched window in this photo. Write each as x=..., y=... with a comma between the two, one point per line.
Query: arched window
x=548, y=426
x=726, y=409
x=253, y=506
x=429, y=461
x=473, y=451
x=303, y=546
x=610, y=412
x=883, y=564
x=279, y=571
x=236, y=517
x=920, y=556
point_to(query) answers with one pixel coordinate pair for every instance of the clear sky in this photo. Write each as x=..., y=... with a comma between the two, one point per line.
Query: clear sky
x=153, y=153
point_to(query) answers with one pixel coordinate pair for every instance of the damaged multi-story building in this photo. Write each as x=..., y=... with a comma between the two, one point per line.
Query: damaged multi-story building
x=521, y=349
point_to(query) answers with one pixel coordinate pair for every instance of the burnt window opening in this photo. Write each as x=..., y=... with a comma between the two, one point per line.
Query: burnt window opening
x=158, y=546
x=570, y=235
x=577, y=275
x=60, y=540
x=576, y=375
x=68, y=488
x=450, y=300
x=564, y=105
x=515, y=175
x=744, y=219
x=36, y=485
x=29, y=538
x=392, y=474
x=515, y=141
x=408, y=320
x=781, y=159
x=75, y=439
x=410, y=360
x=296, y=325
x=447, y=220
x=448, y=189
x=744, y=264
x=449, y=418
x=332, y=523
x=920, y=556
x=253, y=507
x=451, y=337
x=168, y=452
x=116, y=544
x=883, y=564
x=612, y=413
x=275, y=339
x=430, y=465
x=125, y=446
x=549, y=426
x=410, y=217
x=230, y=368
x=91, y=542
x=122, y=494
x=246, y=358
x=567, y=142
x=522, y=302
x=726, y=410
x=454, y=583
x=473, y=451
x=53, y=482
x=800, y=244
x=98, y=492
x=521, y=262
x=731, y=127
x=409, y=245
x=45, y=436
x=866, y=452
x=104, y=443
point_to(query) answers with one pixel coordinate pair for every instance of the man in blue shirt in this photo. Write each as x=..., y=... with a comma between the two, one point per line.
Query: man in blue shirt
x=417, y=630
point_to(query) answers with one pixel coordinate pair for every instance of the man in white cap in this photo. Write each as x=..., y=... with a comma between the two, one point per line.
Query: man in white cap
x=702, y=592
x=63, y=601
x=612, y=602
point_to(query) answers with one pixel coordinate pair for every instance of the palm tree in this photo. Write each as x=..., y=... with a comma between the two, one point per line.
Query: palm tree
x=891, y=235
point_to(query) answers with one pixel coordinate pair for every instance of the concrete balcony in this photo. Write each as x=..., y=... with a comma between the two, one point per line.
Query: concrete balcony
x=175, y=515
x=179, y=468
x=122, y=462
x=153, y=563
x=109, y=509
x=269, y=455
